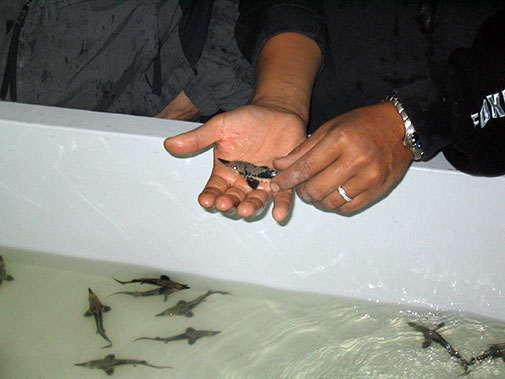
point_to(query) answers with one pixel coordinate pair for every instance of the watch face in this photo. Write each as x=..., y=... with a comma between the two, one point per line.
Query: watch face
x=416, y=143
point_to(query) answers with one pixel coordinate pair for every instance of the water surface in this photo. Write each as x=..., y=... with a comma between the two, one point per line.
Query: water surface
x=265, y=332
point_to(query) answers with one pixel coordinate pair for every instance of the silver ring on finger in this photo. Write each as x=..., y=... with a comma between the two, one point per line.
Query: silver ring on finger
x=344, y=194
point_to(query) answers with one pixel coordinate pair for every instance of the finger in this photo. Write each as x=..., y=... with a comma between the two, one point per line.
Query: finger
x=334, y=201
x=284, y=162
x=194, y=140
x=282, y=204
x=230, y=199
x=214, y=188
x=254, y=203
x=316, y=159
x=325, y=182
x=363, y=199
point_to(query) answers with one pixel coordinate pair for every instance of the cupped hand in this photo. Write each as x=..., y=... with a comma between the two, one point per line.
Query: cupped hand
x=253, y=133
x=361, y=150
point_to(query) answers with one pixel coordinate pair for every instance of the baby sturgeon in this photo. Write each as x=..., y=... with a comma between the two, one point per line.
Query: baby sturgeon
x=431, y=335
x=252, y=174
x=185, y=308
x=108, y=363
x=191, y=334
x=96, y=309
x=495, y=351
x=166, y=286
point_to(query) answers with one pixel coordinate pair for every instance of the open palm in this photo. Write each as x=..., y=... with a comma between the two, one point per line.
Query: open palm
x=254, y=134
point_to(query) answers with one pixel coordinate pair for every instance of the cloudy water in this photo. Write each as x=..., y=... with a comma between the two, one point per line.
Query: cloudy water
x=263, y=332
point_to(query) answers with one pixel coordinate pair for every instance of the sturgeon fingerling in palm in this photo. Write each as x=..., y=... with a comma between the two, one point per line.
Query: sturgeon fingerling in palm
x=252, y=174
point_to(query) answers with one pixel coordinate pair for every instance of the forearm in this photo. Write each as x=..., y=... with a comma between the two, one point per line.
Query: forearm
x=286, y=68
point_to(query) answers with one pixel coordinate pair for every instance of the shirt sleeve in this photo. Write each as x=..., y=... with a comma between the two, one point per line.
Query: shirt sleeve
x=260, y=20
x=460, y=108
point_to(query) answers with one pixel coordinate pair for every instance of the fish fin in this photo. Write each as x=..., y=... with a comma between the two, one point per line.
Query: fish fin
x=189, y=314
x=109, y=371
x=110, y=356
x=190, y=329
x=9, y=278
x=107, y=346
x=191, y=341
x=253, y=183
x=426, y=344
x=181, y=302
x=223, y=161
x=106, y=308
x=88, y=313
x=164, y=277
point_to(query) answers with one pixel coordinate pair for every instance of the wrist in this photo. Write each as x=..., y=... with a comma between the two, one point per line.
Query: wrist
x=411, y=139
x=284, y=104
x=285, y=72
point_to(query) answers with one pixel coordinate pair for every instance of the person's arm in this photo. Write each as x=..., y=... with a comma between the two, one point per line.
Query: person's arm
x=272, y=126
x=460, y=109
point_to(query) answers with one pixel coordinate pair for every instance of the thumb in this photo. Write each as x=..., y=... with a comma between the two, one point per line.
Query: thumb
x=194, y=140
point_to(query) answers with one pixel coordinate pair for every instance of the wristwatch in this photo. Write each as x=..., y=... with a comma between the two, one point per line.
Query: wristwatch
x=411, y=140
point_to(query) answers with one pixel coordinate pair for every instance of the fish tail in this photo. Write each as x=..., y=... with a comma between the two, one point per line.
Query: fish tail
x=143, y=338
x=121, y=282
x=221, y=292
x=153, y=366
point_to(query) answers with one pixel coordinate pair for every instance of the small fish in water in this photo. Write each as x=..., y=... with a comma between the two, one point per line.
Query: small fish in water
x=192, y=335
x=431, y=335
x=157, y=291
x=252, y=174
x=167, y=286
x=184, y=308
x=96, y=309
x=494, y=351
x=108, y=363
x=162, y=281
x=3, y=273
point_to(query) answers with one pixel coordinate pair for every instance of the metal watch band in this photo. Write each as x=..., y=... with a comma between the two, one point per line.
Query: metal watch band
x=411, y=140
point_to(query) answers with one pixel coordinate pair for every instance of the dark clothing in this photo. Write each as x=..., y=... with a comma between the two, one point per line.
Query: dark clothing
x=126, y=56
x=455, y=100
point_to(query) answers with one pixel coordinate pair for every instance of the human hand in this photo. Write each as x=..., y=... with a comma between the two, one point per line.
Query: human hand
x=361, y=151
x=181, y=108
x=255, y=133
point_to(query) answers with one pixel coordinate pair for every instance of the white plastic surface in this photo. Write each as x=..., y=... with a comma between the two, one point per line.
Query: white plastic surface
x=101, y=186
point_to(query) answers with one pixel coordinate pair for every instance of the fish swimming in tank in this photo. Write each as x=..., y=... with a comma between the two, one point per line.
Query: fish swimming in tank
x=108, y=363
x=431, y=335
x=162, y=281
x=252, y=174
x=96, y=309
x=156, y=291
x=495, y=351
x=3, y=272
x=166, y=287
x=191, y=334
x=185, y=308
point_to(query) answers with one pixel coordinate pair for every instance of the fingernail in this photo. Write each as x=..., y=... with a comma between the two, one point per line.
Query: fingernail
x=274, y=187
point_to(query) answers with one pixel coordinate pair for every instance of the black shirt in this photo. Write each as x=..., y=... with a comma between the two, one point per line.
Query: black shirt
x=444, y=59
